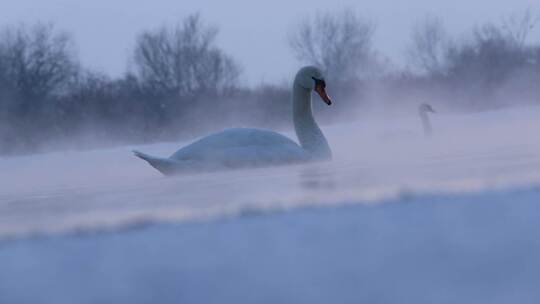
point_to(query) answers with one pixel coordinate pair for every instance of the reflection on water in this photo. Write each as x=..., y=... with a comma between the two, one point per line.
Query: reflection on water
x=317, y=177
x=117, y=200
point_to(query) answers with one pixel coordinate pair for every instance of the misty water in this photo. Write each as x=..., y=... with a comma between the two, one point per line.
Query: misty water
x=375, y=159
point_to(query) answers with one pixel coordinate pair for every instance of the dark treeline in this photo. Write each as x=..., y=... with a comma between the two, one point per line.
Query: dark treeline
x=182, y=83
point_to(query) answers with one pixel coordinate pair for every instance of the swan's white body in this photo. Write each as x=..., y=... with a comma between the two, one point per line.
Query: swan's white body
x=243, y=147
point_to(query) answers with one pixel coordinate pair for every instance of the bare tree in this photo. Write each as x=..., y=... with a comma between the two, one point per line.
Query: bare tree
x=338, y=43
x=184, y=60
x=36, y=61
x=36, y=64
x=429, y=42
x=519, y=25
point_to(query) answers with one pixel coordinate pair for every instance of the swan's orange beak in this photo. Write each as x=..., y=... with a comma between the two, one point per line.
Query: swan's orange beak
x=319, y=88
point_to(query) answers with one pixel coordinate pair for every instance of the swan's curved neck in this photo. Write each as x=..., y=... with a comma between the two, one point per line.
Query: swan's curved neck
x=426, y=124
x=308, y=132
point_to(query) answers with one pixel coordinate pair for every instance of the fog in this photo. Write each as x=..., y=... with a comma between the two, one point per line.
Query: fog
x=374, y=160
x=182, y=83
x=67, y=131
x=430, y=196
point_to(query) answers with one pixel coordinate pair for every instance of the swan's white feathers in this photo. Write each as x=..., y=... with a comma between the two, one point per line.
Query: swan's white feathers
x=242, y=147
x=237, y=138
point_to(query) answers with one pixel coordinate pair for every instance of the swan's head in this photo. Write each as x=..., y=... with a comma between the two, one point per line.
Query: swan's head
x=311, y=78
x=426, y=108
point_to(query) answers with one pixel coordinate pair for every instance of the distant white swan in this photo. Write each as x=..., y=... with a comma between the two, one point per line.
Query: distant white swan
x=241, y=147
x=423, y=111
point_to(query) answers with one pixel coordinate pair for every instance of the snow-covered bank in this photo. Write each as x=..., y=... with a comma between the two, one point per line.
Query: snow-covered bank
x=468, y=248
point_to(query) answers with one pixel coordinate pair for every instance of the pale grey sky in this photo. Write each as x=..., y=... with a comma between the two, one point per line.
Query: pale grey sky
x=254, y=32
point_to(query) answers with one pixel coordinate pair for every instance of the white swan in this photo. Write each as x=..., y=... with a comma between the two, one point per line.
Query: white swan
x=423, y=111
x=241, y=147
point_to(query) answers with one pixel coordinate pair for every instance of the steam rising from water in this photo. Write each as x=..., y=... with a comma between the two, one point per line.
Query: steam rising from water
x=374, y=159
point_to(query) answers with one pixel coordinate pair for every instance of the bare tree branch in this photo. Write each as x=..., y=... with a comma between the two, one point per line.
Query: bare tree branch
x=184, y=60
x=337, y=43
x=519, y=25
x=36, y=61
x=429, y=41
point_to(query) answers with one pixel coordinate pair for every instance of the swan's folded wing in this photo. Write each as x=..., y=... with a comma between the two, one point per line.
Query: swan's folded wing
x=238, y=138
x=255, y=156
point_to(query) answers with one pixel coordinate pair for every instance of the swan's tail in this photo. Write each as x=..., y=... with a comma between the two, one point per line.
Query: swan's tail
x=163, y=165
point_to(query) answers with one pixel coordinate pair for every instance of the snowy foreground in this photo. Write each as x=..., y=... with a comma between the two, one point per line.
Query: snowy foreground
x=395, y=218
x=482, y=248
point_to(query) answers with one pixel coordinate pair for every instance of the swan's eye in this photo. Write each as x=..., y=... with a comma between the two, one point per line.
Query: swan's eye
x=319, y=82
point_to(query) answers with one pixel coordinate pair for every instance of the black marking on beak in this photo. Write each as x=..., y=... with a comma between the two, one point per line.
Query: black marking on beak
x=319, y=82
